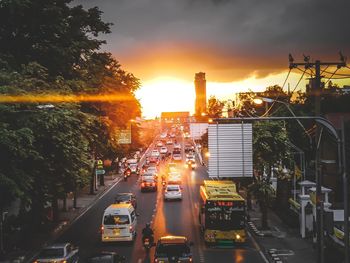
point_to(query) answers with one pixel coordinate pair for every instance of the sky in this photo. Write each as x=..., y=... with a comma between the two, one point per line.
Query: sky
x=239, y=44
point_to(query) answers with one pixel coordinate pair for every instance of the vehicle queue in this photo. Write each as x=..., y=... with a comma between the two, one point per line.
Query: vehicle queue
x=165, y=162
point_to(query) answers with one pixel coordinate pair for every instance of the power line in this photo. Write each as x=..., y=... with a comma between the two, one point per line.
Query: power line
x=331, y=76
x=284, y=83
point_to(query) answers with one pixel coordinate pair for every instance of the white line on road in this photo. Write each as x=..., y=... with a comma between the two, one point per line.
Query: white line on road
x=258, y=247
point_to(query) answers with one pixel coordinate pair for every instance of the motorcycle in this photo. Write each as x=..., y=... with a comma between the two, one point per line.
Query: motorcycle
x=126, y=175
x=147, y=244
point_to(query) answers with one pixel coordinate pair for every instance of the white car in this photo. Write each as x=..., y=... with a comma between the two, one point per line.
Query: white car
x=163, y=135
x=163, y=150
x=64, y=252
x=177, y=157
x=177, y=146
x=169, y=142
x=155, y=153
x=172, y=192
x=159, y=144
x=152, y=170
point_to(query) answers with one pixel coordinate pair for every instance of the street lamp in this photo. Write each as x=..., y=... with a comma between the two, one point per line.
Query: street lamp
x=341, y=166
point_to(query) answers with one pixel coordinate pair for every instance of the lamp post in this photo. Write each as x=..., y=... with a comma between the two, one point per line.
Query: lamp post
x=341, y=166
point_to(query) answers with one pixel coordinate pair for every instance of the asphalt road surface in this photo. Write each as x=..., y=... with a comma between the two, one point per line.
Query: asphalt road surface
x=170, y=217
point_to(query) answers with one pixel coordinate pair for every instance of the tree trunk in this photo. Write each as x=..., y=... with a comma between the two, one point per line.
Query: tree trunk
x=64, y=208
x=55, y=210
x=75, y=198
x=102, y=179
x=92, y=182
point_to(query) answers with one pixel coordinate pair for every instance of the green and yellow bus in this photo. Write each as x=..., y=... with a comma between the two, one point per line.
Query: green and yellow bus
x=222, y=213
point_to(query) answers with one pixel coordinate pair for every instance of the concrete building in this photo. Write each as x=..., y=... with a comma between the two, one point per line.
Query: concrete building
x=200, y=84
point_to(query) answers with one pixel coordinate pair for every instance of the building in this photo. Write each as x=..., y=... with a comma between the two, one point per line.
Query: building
x=200, y=84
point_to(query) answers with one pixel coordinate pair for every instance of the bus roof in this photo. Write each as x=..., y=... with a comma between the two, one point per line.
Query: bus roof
x=220, y=190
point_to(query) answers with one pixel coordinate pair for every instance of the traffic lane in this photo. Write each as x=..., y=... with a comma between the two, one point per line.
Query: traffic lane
x=248, y=252
x=178, y=218
x=85, y=232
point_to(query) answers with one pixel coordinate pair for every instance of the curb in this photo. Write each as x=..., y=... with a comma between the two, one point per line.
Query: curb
x=274, y=257
x=255, y=230
x=73, y=220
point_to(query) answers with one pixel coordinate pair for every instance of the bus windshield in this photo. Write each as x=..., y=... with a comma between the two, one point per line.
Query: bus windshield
x=225, y=218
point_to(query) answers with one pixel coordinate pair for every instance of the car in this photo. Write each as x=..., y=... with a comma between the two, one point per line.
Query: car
x=134, y=168
x=163, y=150
x=152, y=170
x=154, y=160
x=172, y=192
x=155, y=153
x=172, y=135
x=62, y=252
x=119, y=223
x=177, y=157
x=148, y=175
x=106, y=257
x=125, y=198
x=169, y=142
x=191, y=163
x=173, y=249
x=177, y=146
x=159, y=144
x=163, y=135
x=148, y=184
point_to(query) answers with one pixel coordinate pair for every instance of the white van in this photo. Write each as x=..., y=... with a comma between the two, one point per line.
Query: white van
x=118, y=223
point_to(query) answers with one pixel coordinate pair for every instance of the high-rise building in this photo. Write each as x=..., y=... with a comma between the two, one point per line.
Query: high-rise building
x=201, y=93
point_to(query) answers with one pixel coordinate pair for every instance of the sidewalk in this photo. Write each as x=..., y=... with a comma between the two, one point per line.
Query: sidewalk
x=281, y=243
x=84, y=202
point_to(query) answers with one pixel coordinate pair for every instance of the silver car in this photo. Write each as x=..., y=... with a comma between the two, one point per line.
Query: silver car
x=64, y=252
x=172, y=192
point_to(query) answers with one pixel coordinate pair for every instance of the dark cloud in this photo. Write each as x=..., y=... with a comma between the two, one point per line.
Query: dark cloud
x=224, y=36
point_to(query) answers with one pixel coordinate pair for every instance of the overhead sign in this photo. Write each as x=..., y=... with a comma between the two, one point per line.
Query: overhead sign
x=231, y=150
x=123, y=136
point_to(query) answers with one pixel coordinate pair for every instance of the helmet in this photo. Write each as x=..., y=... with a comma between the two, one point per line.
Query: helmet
x=148, y=224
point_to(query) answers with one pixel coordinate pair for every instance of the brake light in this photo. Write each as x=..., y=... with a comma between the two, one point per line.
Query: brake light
x=153, y=184
x=190, y=259
x=156, y=260
x=130, y=229
x=143, y=185
x=102, y=229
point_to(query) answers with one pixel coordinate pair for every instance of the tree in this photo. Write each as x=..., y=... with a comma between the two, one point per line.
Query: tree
x=262, y=190
x=215, y=107
x=51, y=48
x=270, y=149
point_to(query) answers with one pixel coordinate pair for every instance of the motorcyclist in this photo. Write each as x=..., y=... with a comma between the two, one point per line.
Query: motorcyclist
x=147, y=232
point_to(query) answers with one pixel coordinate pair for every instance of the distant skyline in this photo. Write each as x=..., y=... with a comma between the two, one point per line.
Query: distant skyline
x=239, y=44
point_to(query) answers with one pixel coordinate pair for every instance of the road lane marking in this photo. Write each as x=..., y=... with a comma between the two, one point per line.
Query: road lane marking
x=257, y=247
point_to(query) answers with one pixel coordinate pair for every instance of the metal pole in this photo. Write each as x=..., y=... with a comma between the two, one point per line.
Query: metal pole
x=346, y=201
x=2, y=252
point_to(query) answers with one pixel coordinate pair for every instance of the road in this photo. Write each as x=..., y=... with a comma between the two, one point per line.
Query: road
x=175, y=217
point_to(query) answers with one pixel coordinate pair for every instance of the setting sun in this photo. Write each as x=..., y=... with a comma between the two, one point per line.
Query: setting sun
x=166, y=94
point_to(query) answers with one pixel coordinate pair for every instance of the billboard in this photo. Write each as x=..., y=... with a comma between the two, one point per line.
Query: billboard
x=123, y=136
x=231, y=150
x=197, y=130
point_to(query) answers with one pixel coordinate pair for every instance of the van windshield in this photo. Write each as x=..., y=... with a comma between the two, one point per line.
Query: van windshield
x=116, y=220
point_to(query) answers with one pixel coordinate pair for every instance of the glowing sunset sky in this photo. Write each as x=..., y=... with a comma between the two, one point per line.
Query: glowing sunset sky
x=239, y=44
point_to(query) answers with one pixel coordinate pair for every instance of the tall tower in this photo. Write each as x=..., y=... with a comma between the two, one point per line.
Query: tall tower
x=201, y=93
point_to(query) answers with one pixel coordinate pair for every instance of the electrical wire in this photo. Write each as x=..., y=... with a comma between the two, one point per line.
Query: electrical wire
x=284, y=83
x=331, y=77
x=337, y=74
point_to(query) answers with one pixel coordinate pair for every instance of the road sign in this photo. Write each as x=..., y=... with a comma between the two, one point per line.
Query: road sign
x=100, y=171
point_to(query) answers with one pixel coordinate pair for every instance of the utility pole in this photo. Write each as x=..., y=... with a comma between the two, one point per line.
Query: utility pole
x=317, y=91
